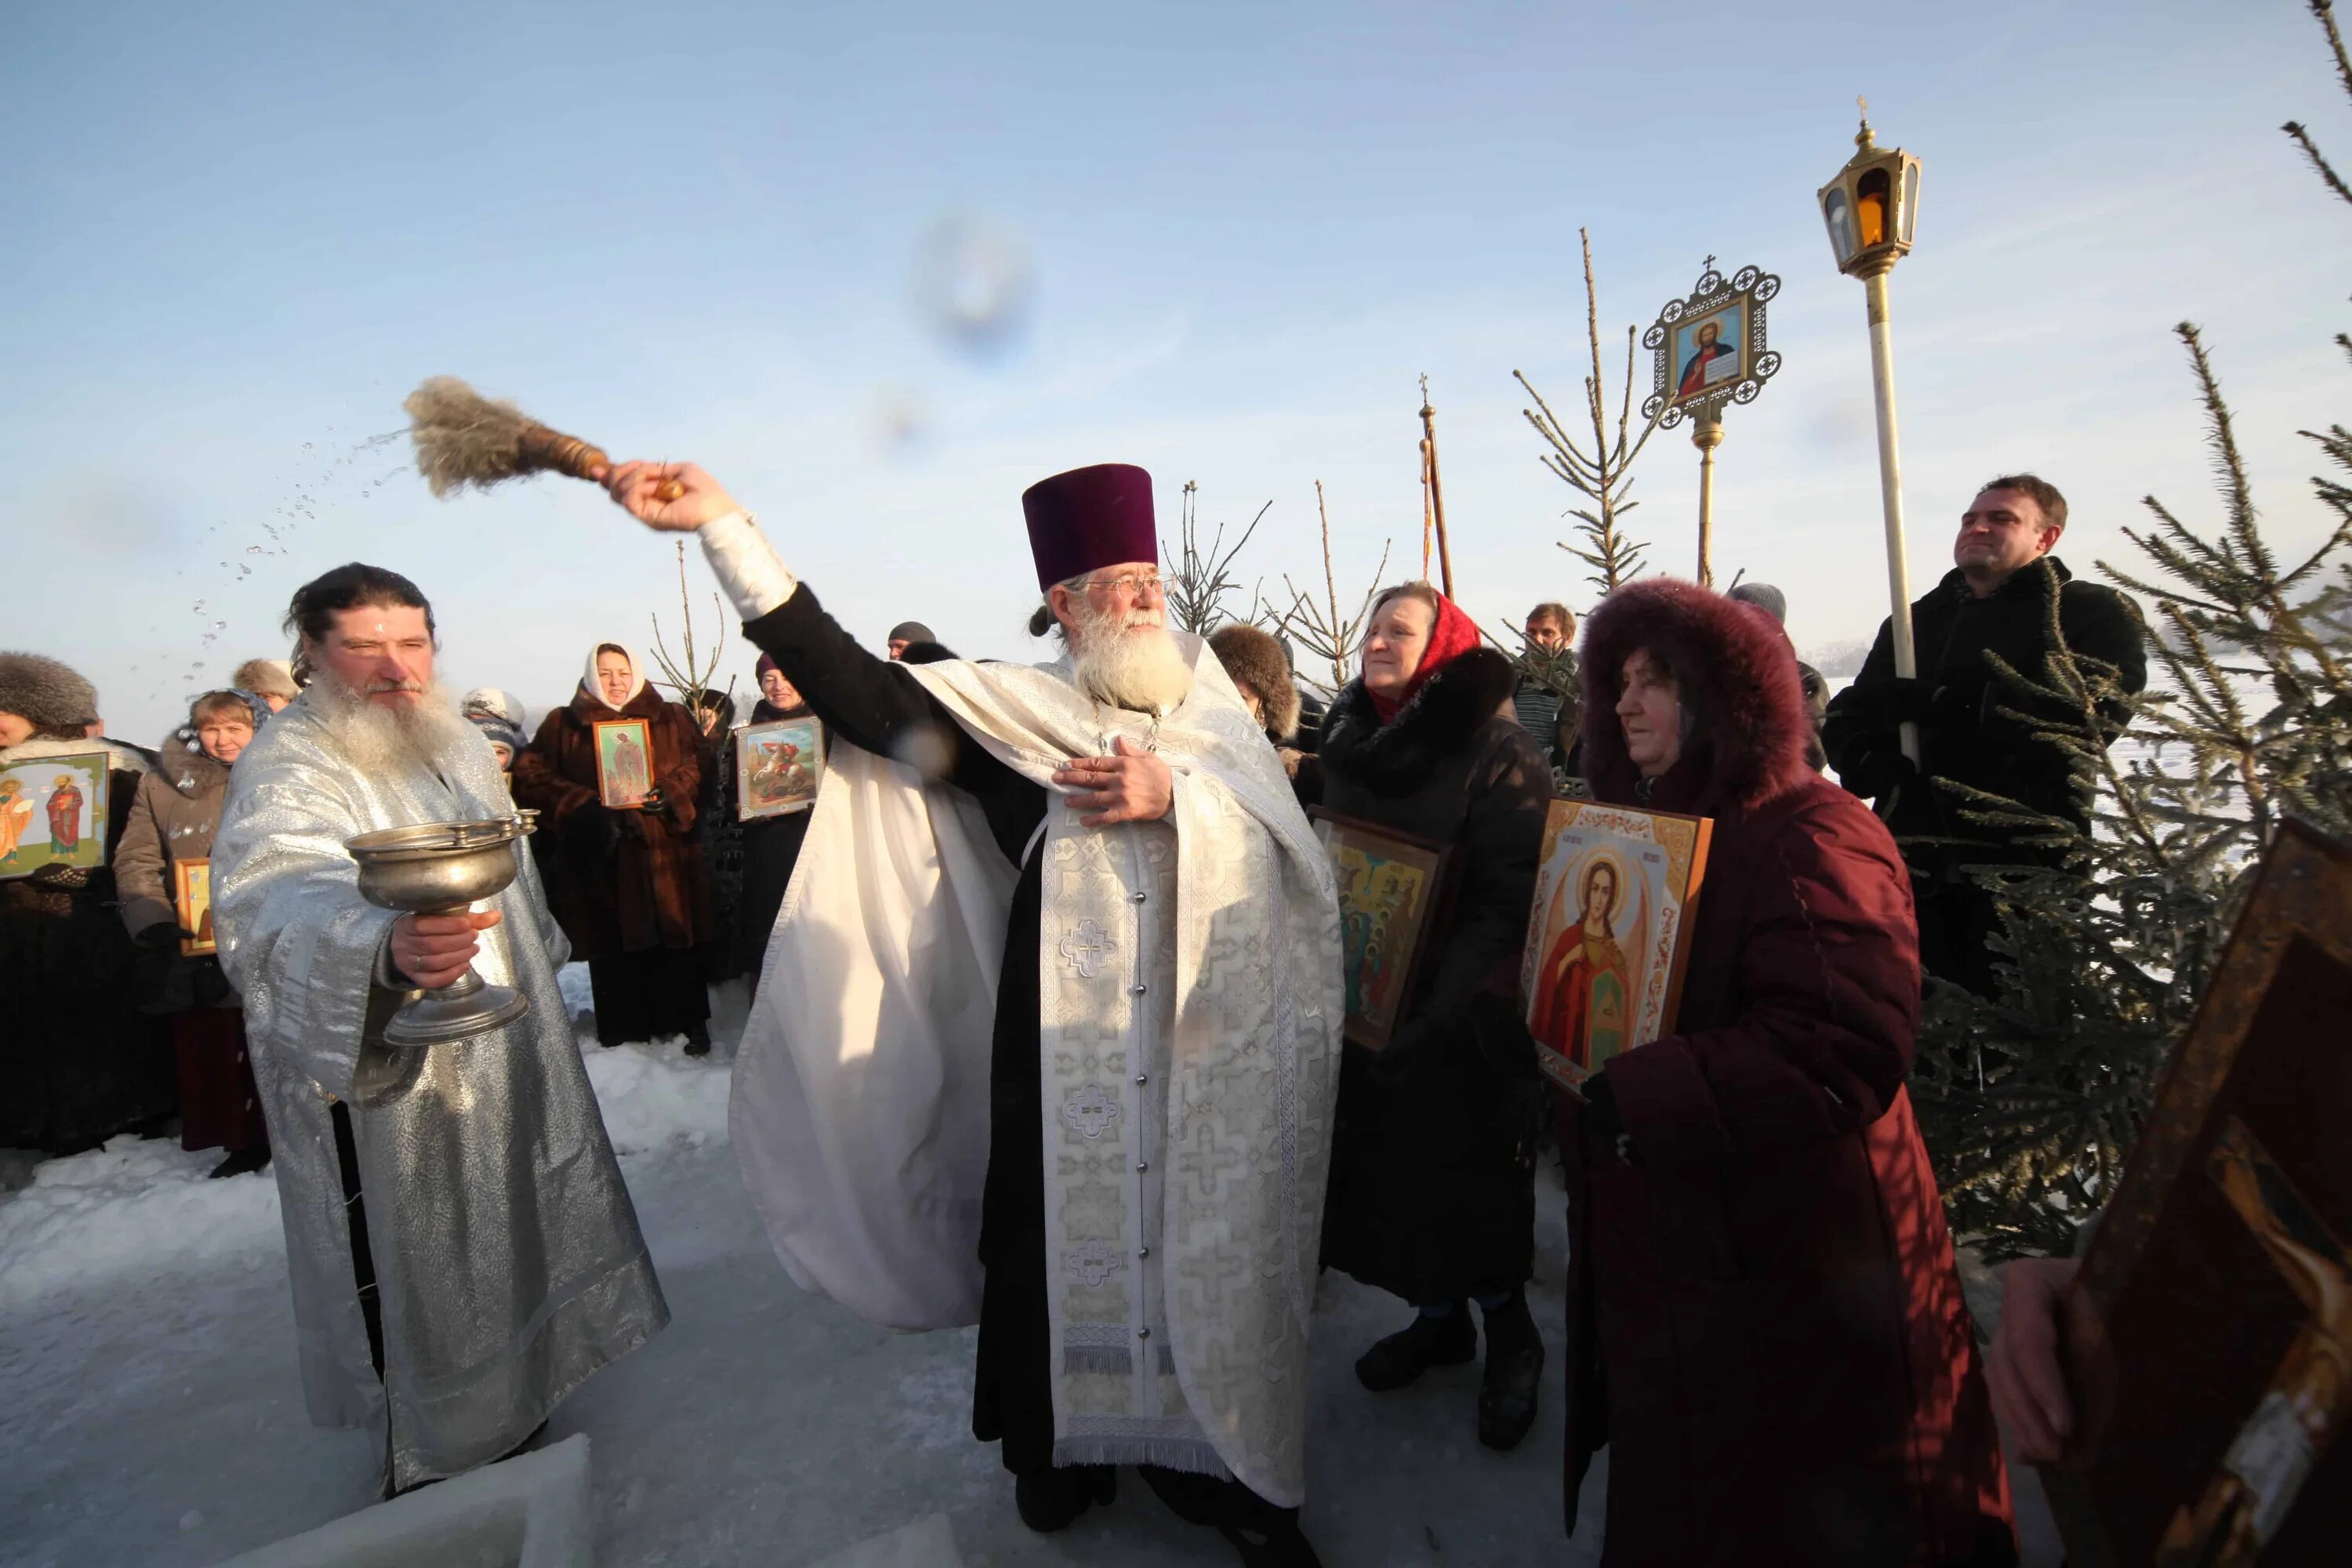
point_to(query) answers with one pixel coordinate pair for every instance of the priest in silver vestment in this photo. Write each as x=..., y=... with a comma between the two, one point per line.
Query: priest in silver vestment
x=464, y=1252
x=1048, y=1031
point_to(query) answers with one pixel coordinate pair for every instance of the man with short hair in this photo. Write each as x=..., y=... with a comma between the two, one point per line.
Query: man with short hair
x=906, y=633
x=462, y=1247
x=1097, y=865
x=1545, y=700
x=1995, y=601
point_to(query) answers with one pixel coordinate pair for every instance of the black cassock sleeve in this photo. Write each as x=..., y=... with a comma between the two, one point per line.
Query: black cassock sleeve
x=880, y=706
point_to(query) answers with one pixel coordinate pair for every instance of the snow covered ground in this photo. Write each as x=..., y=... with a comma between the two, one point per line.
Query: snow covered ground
x=149, y=1411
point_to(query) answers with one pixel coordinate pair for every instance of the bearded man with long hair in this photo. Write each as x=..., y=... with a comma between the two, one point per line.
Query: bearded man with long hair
x=463, y=1250
x=1095, y=865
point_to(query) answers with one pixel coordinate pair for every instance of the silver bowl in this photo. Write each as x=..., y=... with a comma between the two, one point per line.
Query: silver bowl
x=444, y=868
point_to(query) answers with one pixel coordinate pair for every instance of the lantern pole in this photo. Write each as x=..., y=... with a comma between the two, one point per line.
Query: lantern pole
x=1890, y=483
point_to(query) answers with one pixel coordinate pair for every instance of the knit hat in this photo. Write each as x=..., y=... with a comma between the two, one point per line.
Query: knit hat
x=488, y=701
x=45, y=693
x=266, y=678
x=498, y=730
x=911, y=631
x=1764, y=597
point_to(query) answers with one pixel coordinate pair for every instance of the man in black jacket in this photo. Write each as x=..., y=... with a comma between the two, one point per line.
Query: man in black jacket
x=1996, y=600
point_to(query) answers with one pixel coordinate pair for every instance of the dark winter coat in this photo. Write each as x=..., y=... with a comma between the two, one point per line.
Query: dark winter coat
x=1765, y=1321
x=1962, y=735
x=170, y=819
x=619, y=882
x=771, y=847
x=78, y=1061
x=1432, y=1161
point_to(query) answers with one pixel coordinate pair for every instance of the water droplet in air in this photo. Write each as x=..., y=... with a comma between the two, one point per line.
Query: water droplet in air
x=253, y=549
x=220, y=626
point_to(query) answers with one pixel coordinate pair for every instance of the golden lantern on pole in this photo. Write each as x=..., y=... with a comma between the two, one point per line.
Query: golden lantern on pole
x=1871, y=209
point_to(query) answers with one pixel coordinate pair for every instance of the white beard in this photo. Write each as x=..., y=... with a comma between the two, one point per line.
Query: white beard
x=1129, y=663
x=421, y=736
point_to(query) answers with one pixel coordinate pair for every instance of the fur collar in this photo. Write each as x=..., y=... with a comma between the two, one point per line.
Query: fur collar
x=1399, y=757
x=121, y=759
x=186, y=767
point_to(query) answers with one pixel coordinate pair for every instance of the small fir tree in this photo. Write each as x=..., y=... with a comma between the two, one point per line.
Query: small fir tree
x=2030, y=1099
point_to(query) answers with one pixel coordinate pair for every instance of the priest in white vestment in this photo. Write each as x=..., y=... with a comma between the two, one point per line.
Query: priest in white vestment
x=464, y=1252
x=1047, y=1034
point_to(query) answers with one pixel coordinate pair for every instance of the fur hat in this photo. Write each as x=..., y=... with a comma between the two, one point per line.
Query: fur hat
x=267, y=677
x=1255, y=659
x=44, y=693
x=1738, y=676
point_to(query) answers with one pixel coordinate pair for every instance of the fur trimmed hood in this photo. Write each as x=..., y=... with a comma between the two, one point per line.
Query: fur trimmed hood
x=1437, y=724
x=45, y=692
x=1737, y=673
x=1253, y=658
x=185, y=766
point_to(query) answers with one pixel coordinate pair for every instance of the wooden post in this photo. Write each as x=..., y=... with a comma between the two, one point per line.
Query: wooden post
x=1436, y=490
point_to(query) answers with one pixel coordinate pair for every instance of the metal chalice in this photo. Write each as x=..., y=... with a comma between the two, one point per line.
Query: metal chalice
x=444, y=868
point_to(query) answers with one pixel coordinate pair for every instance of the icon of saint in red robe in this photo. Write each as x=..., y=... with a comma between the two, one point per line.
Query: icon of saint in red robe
x=1585, y=988
x=65, y=816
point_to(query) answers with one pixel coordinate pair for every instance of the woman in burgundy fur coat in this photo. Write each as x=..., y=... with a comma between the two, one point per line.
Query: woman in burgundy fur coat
x=1765, y=1323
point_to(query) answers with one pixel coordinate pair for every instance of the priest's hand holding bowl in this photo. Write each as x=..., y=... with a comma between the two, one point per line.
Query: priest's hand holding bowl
x=634, y=487
x=433, y=950
x=1133, y=785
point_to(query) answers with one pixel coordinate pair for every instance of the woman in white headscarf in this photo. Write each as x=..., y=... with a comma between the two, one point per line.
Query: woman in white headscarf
x=627, y=882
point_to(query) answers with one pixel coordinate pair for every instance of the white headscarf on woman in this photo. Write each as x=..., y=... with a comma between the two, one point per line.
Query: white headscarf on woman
x=595, y=689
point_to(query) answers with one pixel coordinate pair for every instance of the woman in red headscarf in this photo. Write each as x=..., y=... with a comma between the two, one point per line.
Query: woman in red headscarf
x=1432, y=1161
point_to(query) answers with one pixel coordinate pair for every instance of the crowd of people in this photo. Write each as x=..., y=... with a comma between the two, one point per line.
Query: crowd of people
x=1046, y=1031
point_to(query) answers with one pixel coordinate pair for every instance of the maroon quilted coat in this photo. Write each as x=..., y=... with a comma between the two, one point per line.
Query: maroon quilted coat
x=653, y=890
x=1765, y=1323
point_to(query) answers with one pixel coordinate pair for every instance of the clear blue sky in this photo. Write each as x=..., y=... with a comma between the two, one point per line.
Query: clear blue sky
x=239, y=234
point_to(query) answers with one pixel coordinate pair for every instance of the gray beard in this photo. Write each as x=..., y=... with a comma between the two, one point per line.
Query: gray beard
x=1140, y=669
x=423, y=736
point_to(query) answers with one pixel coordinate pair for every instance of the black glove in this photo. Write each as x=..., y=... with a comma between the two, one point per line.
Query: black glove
x=1876, y=774
x=1605, y=1125
x=652, y=803
x=1909, y=697
x=593, y=833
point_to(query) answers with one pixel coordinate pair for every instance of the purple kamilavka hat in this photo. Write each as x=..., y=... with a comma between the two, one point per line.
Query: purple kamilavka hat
x=1090, y=517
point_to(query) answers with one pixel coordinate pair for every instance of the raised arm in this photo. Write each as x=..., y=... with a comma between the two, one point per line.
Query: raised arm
x=864, y=699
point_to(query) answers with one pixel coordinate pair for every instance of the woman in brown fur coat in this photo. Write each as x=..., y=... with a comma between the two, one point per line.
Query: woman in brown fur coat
x=628, y=885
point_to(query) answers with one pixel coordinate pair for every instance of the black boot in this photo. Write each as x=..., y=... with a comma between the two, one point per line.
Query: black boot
x=1049, y=1500
x=1429, y=1342
x=1284, y=1546
x=698, y=1039
x=238, y=1163
x=1514, y=1359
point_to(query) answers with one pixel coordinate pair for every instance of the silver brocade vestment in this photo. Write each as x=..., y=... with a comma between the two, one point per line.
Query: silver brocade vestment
x=506, y=1249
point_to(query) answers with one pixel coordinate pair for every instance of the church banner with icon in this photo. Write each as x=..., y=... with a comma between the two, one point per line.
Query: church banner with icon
x=52, y=813
x=1608, y=937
